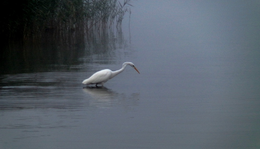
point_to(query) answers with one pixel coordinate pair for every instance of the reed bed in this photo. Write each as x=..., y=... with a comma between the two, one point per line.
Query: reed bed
x=32, y=18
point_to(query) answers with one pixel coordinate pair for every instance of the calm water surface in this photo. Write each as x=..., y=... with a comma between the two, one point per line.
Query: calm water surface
x=198, y=88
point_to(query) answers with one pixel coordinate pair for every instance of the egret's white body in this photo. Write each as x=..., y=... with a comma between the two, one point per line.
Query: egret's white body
x=104, y=75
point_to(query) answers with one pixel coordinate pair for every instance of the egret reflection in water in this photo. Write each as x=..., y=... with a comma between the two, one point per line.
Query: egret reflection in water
x=103, y=97
x=100, y=93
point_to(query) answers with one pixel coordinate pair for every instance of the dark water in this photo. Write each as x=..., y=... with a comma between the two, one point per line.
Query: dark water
x=198, y=88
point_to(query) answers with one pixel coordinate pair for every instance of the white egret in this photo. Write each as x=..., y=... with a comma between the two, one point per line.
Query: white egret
x=104, y=75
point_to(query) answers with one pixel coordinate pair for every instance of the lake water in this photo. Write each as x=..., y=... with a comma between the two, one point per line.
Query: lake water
x=199, y=85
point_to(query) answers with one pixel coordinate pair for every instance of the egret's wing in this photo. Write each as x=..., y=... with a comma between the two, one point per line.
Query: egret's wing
x=100, y=76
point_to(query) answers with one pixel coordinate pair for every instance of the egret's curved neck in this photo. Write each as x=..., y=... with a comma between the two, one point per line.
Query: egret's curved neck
x=116, y=72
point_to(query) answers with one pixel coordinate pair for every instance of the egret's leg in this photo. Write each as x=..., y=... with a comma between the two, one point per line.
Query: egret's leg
x=98, y=84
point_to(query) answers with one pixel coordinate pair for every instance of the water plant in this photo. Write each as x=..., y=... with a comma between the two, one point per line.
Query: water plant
x=31, y=18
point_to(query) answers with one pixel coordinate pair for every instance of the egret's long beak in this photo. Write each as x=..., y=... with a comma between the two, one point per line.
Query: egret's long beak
x=136, y=69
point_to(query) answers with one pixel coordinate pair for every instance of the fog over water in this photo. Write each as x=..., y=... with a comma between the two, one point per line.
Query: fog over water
x=198, y=85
